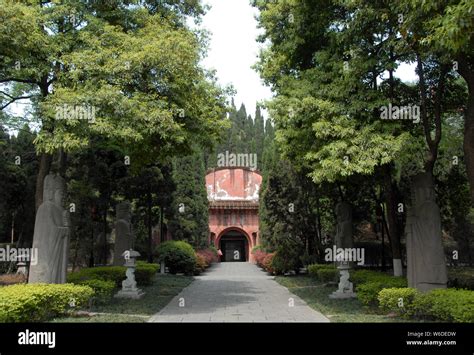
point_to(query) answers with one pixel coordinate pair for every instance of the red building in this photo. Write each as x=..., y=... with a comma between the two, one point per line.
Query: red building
x=233, y=211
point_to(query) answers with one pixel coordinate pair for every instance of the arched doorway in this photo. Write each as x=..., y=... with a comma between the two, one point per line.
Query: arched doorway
x=234, y=245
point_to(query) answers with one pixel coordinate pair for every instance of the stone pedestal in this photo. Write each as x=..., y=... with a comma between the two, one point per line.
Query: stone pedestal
x=129, y=285
x=345, y=289
x=162, y=268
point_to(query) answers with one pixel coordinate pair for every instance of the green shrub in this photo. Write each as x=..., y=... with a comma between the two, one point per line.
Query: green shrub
x=450, y=305
x=141, y=263
x=106, y=273
x=314, y=268
x=287, y=258
x=461, y=277
x=328, y=275
x=362, y=276
x=144, y=274
x=282, y=263
x=40, y=302
x=103, y=290
x=398, y=300
x=367, y=292
x=178, y=256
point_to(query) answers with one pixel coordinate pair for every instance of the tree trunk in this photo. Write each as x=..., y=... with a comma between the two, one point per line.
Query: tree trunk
x=44, y=167
x=162, y=230
x=62, y=160
x=105, y=249
x=150, y=234
x=394, y=231
x=466, y=69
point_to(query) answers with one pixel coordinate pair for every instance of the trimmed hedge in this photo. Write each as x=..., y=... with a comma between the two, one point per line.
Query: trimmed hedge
x=398, y=300
x=178, y=256
x=41, y=302
x=449, y=305
x=328, y=275
x=144, y=274
x=368, y=292
x=313, y=268
x=363, y=276
x=323, y=272
x=103, y=290
x=369, y=283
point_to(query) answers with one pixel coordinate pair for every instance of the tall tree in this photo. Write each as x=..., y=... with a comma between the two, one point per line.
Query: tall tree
x=189, y=220
x=137, y=66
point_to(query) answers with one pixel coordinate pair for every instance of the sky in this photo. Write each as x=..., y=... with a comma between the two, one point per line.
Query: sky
x=233, y=50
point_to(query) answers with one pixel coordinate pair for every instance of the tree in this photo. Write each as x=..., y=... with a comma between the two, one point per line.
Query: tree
x=136, y=66
x=190, y=217
x=327, y=63
x=446, y=29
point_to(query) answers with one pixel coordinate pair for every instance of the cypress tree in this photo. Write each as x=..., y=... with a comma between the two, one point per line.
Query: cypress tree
x=190, y=216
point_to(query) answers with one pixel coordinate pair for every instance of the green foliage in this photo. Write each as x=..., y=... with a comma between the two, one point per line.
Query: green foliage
x=41, y=302
x=323, y=272
x=286, y=259
x=449, y=305
x=328, y=275
x=17, y=205
x=190, y=217
x=288, y=210
x=461, y=277
x=103, y=290
x=313, y=268
x=369, y=283
x=368, y=292
x=362, y=276
x=398, y=300
x=178, y=256
x=144, y=274
x=106, y=273
x=138, y=105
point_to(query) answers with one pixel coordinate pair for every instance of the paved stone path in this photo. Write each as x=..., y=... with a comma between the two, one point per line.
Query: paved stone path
x=236, y=292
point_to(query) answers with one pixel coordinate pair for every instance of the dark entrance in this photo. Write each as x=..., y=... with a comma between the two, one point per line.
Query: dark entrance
x=234, y=246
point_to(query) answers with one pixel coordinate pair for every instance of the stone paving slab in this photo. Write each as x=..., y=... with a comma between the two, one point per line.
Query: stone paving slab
x=236, y=292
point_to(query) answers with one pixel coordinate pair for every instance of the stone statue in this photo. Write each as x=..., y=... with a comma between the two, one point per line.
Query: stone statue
x=343, y=236
x=425, y=255
x=123, y=232
x=51, y=235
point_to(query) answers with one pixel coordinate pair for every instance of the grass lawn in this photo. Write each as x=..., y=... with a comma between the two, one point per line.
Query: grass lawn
x=316, y=295
x=118, y=310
